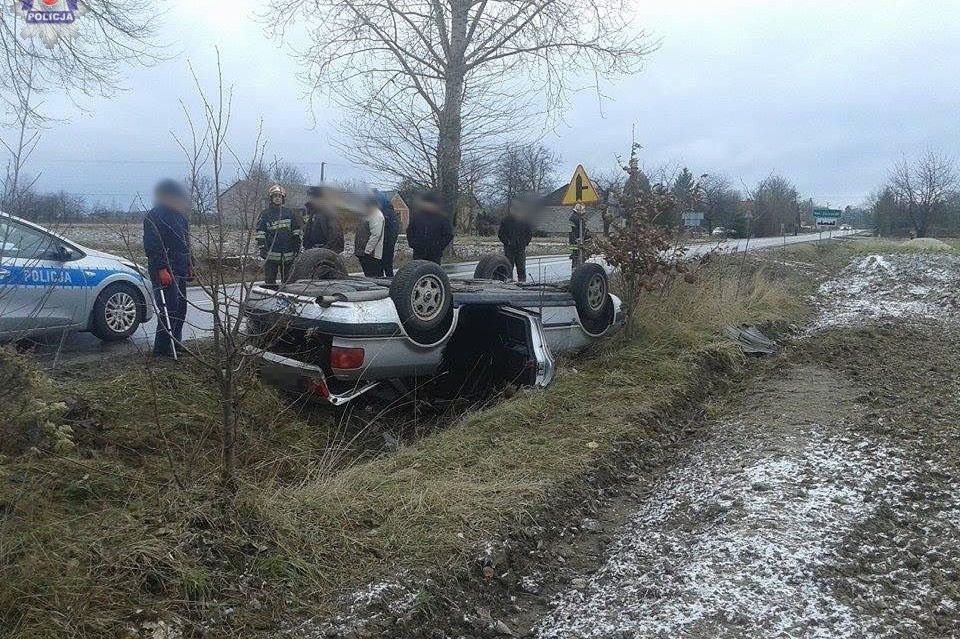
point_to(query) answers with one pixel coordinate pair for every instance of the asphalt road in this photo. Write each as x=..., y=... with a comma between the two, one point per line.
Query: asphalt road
x=84, y=347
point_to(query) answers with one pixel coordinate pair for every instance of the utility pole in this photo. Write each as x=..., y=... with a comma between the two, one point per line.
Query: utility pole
x=323, y=166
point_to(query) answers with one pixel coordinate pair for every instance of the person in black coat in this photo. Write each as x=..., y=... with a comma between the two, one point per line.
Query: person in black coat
x=323, y=229
x=515, y=233
x=391, y=230
x=166, y=241
x=429, y=232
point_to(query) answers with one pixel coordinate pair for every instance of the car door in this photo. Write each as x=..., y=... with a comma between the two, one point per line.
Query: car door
x=41, y=284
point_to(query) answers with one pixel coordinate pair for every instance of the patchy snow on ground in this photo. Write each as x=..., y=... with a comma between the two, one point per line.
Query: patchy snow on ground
x=921, y=286
x=721, y=550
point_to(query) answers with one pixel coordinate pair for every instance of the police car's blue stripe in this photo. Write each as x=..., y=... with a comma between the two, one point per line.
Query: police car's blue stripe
x=47, y=276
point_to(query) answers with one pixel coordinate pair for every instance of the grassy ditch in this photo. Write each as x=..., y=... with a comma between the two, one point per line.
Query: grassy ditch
x=112, y=521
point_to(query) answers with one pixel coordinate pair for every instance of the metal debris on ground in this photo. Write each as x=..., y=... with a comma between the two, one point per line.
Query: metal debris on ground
x=751, y=341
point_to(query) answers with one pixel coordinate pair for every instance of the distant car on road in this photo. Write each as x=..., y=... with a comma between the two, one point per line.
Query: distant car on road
x=720, y=231
x=49, y=284
x=336, y=337
x=846, y=227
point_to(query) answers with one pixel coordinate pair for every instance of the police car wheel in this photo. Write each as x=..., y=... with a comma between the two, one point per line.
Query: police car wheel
x=116, y=313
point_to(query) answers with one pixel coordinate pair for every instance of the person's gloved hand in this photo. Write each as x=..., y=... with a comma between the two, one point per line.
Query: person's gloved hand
x=165, y=277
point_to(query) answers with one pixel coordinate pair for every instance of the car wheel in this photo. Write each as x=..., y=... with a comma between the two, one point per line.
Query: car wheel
x=424, y=301
x=318, y=264
x=590, y=291
x=494, y=267
x=117, y=312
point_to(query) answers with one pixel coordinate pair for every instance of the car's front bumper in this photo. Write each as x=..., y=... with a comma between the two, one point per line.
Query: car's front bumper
x=308, y=379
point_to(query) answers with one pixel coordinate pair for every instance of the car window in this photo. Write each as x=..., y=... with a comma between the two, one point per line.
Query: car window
x=23, y=242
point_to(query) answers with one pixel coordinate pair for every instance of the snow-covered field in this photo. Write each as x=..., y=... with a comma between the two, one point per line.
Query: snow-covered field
x=921, y=286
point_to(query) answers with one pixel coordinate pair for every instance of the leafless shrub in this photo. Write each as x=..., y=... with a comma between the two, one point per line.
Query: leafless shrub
x=639, y=249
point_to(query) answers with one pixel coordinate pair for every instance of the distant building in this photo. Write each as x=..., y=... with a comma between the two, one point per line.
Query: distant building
x=554, y=219
x=691, y=219
x=243, y=201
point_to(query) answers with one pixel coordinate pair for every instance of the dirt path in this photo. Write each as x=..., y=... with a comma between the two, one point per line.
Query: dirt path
x=786, y=518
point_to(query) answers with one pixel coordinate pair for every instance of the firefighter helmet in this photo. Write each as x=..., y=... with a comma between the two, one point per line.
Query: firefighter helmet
x=276, y=189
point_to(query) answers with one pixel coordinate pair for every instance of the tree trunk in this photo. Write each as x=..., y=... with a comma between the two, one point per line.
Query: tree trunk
x=451, y=119
x=227, y=427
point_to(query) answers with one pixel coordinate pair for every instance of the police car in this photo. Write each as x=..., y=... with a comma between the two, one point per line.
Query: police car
x=49, y=284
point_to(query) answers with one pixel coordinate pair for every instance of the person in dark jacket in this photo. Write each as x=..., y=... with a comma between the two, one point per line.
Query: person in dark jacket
x=391, y=230
x=279, y=236
x=515, y=233
x=323, y=228
x=429, y=232
x=166, y=241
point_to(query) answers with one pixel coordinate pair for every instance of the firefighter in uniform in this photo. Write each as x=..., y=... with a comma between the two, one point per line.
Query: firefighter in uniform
x=279, y=236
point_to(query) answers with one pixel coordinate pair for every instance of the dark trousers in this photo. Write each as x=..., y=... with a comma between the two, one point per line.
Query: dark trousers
x=176, y=309
x=518, y=259
x=274, y=268
x=372, y=267
x=429, y=257
x=389, y=246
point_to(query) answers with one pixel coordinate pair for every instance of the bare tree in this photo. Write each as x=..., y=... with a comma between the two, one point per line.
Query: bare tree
x=396, y=135
x=85, y=57
x=720, y=202
x=22, y=101
x=523, y=168
x=286, y=173
x=922, y=188
x=226, y=255
x=446, y=56
x=776, y=207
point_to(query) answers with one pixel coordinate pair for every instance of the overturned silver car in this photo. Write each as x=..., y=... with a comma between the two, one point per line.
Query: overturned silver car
x=337, y=337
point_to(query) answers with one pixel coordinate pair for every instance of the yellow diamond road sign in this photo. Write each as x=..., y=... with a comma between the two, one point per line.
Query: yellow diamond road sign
x=581, y=189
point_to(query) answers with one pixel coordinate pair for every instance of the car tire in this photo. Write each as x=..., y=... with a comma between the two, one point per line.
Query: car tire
x=494, y=267
x=423, y=298
x=318, y=264
x=591, y=292
x=117, y=312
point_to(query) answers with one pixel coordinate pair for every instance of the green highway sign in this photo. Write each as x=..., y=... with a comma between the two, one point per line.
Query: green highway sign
x=827, y=213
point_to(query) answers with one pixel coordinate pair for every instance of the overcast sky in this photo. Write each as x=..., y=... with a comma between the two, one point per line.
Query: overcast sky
x=827, y=93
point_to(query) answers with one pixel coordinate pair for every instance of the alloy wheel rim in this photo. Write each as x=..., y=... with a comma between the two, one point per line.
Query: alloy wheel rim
x=120, y=312
x=427, y=297
x=596, y=291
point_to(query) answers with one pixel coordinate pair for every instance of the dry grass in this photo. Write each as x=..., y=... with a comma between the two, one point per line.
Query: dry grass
x=98, y=541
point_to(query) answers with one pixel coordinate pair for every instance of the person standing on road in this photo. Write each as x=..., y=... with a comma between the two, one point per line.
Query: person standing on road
x=323, y=228
x=391, y=231
x=279, y=235
x=429, y=232
x=368, y=240
x=515, y=233
x=166, y=242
